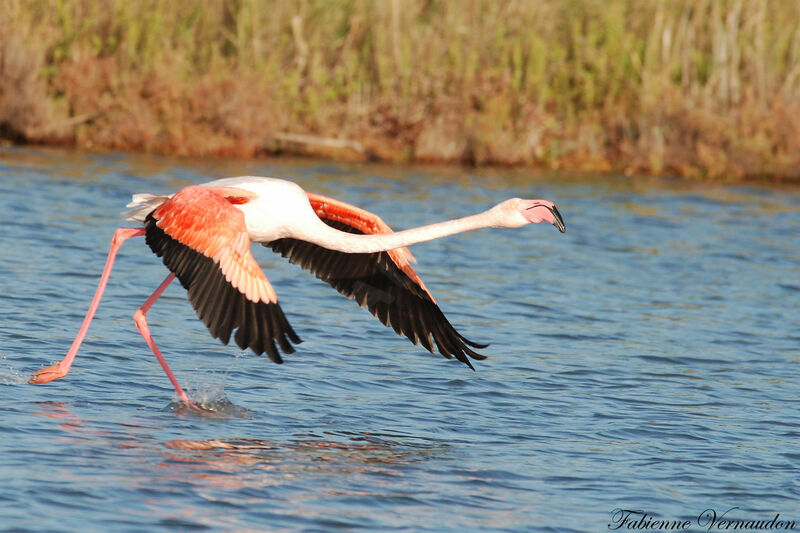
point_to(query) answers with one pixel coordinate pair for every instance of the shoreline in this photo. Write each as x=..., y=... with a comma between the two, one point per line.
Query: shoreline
x=518, y=175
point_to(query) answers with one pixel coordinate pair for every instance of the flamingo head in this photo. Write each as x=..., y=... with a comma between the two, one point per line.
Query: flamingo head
x=517, y=212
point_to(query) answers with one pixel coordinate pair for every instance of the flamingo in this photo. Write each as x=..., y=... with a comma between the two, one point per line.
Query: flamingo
x=203, y=233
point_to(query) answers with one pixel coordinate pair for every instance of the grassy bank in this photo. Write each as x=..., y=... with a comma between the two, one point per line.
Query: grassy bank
x=704, y=88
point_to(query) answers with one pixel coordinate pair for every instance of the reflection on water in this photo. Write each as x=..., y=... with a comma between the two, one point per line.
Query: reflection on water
x=305, y=467
x=359, y=454
x=646, y=359
x=68, y=422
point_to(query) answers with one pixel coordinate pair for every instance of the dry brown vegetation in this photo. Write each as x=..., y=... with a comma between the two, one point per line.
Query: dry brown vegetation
x=703, y=88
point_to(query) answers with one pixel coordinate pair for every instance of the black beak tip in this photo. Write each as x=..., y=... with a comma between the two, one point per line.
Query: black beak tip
x=559, y=221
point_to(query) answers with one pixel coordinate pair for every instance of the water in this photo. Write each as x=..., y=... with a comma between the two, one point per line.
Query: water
x=645, y=360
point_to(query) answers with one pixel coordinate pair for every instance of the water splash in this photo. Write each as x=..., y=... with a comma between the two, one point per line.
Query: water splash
x=10, y=375
x=212, y=400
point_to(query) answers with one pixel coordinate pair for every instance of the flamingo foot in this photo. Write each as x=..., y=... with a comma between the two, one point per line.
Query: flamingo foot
x=189, y=404
x=183, y=406
x=48, y=374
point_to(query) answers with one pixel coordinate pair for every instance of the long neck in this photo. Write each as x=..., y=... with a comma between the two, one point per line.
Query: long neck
x=333, y=239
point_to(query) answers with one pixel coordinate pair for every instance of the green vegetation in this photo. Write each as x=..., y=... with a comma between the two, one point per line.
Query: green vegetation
x=699, y=88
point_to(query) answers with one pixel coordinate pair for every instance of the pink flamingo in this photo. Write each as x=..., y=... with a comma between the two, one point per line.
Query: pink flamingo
x=203, y=235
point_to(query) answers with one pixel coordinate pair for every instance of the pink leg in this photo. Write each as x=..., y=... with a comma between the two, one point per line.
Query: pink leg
x=141, y=324
x=61, y=369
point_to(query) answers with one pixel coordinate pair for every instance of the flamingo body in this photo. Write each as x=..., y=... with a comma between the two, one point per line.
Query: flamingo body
x=203, y=233
x=202, y=238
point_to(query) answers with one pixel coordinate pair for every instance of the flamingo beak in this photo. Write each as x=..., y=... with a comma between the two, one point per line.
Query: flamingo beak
x=558, y=221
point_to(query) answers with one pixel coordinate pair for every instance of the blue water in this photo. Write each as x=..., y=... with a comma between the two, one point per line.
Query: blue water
x=646, y=360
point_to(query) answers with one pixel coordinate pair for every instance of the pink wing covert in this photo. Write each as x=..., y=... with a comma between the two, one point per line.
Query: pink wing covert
x=368, y=224
x=202, y=238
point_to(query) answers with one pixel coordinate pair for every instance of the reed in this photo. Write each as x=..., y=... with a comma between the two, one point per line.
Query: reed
x=700, y=88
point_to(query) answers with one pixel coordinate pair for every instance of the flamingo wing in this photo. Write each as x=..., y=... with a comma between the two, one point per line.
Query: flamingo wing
x=384, y=282
x=203, y=240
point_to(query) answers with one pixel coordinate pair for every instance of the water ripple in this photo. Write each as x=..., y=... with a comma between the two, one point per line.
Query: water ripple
x=645, y=358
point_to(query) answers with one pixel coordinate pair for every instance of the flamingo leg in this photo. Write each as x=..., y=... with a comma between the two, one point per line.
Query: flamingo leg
x=61, y=369
x=141, y=324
